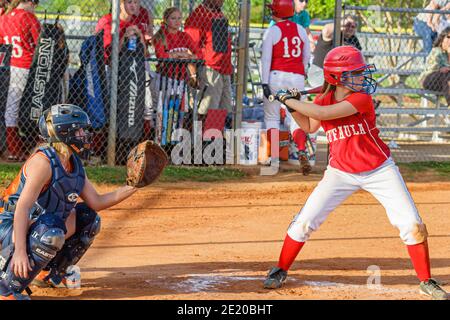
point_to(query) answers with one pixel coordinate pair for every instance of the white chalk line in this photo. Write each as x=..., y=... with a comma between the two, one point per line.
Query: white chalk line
x=206, y=282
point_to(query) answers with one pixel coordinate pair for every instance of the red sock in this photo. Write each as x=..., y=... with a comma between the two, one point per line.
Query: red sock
x=420, y=260
x=13, y=141
x=299, y=137
x=289, y=252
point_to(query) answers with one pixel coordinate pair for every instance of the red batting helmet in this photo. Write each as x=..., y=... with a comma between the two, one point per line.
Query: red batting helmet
x=282, y=8
x=344, y=63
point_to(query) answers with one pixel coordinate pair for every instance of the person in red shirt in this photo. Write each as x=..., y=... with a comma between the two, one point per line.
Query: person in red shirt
x=20, y=28
x=170, y=42
x=208, y=28
x=128, y=27
x=359, y=160
x=144, y=21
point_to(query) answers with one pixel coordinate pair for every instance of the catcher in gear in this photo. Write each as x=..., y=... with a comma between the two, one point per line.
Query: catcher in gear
x=41, y=210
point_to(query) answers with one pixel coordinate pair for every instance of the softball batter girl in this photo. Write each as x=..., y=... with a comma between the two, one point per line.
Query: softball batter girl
x=43, y=229
x=20, y=28
x=285, y=57
x=358, y=160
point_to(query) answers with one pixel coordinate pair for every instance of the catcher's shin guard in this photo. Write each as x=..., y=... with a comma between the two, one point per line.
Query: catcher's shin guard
x=45, y=239
x=87, y=227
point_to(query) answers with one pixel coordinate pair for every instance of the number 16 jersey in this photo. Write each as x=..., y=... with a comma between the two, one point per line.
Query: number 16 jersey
x=20, y=29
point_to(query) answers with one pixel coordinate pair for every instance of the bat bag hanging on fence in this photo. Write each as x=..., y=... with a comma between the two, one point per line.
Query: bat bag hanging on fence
x=44, y=84
x=88, y=88
x=130, y=100
x=5, y=58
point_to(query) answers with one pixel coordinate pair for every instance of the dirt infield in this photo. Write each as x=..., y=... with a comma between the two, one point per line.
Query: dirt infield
x=217, y=241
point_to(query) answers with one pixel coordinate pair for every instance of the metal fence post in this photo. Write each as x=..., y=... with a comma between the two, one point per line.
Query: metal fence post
x=337, y=24
x=114, y=69
x=241, y=70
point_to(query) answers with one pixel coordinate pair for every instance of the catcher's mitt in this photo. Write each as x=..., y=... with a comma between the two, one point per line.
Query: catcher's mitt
x=145, y=162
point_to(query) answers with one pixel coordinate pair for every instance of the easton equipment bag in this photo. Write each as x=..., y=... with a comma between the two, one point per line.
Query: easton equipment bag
x=44, y=84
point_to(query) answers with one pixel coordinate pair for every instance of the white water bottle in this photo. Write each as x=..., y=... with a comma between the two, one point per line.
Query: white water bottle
x=73, y=277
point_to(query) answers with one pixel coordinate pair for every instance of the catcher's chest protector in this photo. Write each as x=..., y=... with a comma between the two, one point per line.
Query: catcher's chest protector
x=61, y=195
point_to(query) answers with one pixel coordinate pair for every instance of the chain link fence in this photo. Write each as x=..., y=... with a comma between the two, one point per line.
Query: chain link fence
x=169, y=75
x=177, y=71
x=413, y=94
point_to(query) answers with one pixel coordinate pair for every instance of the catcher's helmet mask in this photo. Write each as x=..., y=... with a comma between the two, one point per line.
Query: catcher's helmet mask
x=67, y=120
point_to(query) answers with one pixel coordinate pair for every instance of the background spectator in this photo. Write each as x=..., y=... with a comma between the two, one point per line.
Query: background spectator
x=426, y=24
x=325, y=44
x=208, y=28
x=20, y=28
x=444, y=19
x=170, y=42
x=129, y=15
x=437, y=75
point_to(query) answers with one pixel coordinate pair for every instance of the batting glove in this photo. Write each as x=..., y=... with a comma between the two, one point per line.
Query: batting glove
x=283, y=95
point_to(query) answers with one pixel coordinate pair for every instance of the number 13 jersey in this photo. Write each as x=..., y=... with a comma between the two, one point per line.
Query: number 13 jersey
x=287, y=53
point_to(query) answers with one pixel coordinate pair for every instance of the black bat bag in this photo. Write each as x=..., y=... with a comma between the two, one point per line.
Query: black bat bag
x=131, y=94
x=5, y=58
x=43, y=88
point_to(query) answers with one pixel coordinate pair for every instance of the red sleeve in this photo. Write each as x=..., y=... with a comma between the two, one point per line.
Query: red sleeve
x=361, y=101
x=35, y=30
x=190, y=44
x=103, y=24
x=160, y=50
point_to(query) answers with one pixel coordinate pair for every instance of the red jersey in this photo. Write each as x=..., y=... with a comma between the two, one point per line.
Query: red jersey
x=209, y=31
x=21, y=29
x=287, y=54
x=355, y=145
x=142, y=20
x=105, y=23
x=175, y=42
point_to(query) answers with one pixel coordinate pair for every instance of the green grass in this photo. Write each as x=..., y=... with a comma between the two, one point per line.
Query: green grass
x=440, y=168
x=116, y=175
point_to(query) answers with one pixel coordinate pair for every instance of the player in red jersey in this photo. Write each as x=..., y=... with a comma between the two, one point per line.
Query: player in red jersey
x=170, y=42
x=20, y=28
x=128, y=26
x=359, y=159
x=285, y=57
x=144, y=21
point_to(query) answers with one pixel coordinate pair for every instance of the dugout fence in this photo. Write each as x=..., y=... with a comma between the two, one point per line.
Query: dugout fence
x=135, y=92
x=133, y=85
